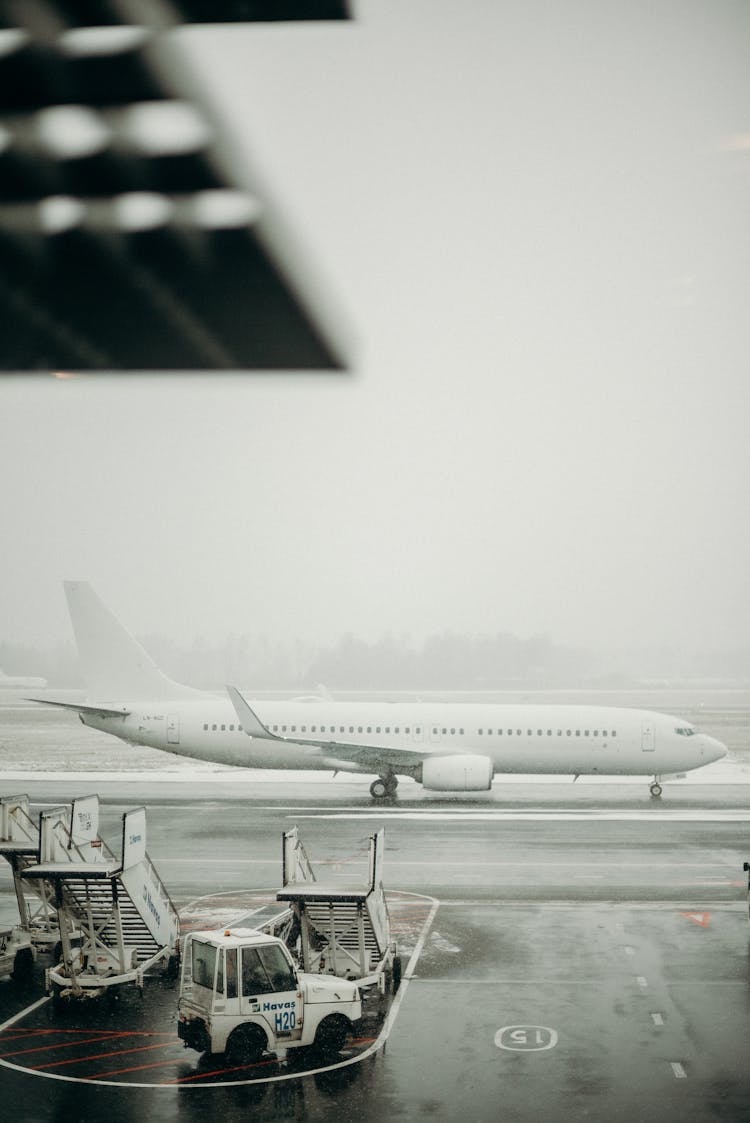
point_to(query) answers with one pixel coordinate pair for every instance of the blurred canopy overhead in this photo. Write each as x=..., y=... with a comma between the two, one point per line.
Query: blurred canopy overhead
x=128, y=238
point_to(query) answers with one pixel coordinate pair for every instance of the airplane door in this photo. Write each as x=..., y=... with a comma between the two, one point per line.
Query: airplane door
x=173, y=729
x=647, y=736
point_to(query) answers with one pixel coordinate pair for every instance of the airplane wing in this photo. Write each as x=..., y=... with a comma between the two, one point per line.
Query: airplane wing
x=369, y=756
x=82, y=708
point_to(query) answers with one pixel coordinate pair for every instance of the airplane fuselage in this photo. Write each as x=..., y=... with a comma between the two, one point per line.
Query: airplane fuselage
x=444, y=746
x=564, y=739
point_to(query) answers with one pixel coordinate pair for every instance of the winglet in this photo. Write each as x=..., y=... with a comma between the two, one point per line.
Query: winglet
x=249, y=720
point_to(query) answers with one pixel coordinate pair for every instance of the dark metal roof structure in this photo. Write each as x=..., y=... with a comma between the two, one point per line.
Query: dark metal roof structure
x=128, y=238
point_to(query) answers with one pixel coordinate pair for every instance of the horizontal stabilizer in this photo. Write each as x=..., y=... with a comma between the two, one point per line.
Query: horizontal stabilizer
x=83, y=708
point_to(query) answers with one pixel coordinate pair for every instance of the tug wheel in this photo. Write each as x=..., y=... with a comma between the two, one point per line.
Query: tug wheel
x=246, y=1045
x=331, y=1034
x=23, y=965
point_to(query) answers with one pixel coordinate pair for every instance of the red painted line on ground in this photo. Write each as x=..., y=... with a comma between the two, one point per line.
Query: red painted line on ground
x=64, y=1045
x=136, y=1068
x=25, y=1034
x=362, y=1041
x=60, y=1031
x=223, y=1072
x=103, y=1056
x=107, y=1033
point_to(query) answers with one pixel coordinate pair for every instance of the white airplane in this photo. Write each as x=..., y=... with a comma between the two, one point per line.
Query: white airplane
x=445, y=746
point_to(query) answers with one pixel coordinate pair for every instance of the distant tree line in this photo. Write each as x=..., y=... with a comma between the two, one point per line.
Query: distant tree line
x=449, y=660
x=445, y=661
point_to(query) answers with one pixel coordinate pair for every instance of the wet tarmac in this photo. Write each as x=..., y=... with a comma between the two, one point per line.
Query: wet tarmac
x=587, y=959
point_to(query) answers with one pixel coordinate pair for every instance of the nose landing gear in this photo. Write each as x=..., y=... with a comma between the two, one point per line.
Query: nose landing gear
x=655, y=788
x=384, y=787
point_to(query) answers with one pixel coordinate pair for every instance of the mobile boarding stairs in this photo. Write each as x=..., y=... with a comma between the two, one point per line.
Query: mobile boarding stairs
x=336, y=929
x=116, y=920
x=19, y=845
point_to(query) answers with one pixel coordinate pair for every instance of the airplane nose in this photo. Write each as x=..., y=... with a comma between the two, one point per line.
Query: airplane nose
x=713, y=749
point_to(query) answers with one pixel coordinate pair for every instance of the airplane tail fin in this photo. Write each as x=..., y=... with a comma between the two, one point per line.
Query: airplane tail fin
x=115, y=666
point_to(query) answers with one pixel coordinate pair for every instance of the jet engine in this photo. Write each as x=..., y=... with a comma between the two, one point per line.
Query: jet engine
x=465, y=773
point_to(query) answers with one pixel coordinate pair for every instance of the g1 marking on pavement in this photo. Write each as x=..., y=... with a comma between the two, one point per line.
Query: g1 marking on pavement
x=701, y=918
x=526, y=1039
x=678, y=1070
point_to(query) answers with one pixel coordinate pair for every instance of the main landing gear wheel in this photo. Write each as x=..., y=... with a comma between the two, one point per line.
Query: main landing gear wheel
x=383, y=787
x=656, y=789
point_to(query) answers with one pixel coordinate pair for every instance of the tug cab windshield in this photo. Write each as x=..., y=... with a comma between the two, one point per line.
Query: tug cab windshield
x=266, y=970
x=249, y=971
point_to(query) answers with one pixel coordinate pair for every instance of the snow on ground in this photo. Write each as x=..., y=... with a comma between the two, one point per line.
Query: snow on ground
x=731, y=770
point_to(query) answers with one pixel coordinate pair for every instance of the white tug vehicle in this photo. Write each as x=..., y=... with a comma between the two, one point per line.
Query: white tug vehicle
x=242, y=992
x=241, y=995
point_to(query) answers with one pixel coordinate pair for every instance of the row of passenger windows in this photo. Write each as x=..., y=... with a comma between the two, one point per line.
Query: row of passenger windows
x=549, y=732
x=437, y=730
x=345, y=729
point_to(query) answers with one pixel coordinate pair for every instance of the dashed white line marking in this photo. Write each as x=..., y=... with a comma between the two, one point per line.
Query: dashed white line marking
x=678, y=1070
x=657, y=1019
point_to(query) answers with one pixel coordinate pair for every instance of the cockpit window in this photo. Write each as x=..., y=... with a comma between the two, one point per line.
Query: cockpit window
x=685, y=730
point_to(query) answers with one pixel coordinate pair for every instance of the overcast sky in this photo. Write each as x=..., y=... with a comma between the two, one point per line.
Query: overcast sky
x=535, y=218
